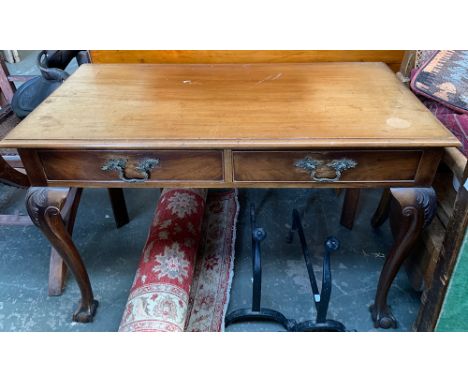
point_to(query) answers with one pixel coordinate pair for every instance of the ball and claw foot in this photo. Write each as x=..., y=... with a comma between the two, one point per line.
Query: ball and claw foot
x=383, y=319
x=85, y=314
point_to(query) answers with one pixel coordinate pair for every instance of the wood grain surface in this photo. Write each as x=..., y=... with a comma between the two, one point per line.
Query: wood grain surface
x=371, y=166
x=392, y=58
x=182, y=165
x=326, y=105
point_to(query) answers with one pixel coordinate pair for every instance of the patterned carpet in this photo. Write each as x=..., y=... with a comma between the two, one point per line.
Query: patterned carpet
x=183, y=280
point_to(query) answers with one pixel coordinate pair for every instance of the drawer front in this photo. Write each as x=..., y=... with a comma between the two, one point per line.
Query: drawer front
x=326, y=166
x=132, y=166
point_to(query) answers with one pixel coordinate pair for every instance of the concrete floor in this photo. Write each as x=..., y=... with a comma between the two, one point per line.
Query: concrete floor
x=111, y=256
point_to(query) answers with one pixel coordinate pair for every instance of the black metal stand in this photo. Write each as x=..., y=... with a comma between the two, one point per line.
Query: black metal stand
x=321, y=299
x=256, y=313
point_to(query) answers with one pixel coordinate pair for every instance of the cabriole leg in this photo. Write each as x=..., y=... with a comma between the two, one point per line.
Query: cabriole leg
x=44, y=206
x=411, y=210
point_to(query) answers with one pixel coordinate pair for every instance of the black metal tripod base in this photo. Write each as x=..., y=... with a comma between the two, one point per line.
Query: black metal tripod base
x=242, y=315
x=248, y=315
x=321, y=299
x=312, y=326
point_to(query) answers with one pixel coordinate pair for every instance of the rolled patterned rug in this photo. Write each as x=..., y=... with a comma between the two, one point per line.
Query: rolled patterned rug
x=176, y=287
x=159, y=296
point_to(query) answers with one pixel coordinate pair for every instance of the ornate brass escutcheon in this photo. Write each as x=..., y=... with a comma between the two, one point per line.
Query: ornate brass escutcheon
x=312, y=165
x=120, y=164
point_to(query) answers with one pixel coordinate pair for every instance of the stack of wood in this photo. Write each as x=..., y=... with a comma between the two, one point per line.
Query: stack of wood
x=422, y=265
x=431, y=268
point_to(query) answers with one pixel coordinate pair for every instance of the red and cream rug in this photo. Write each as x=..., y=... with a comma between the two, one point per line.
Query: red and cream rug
x=184, y=276
x=214, y=268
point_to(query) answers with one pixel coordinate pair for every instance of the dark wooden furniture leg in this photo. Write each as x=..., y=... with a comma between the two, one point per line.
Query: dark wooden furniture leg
x=119, y=207
x=381, y=214
x=411, y=209
x=350, y=205
x=44, y=206
x=57, y=267
x=12, y=177
x=57, y=274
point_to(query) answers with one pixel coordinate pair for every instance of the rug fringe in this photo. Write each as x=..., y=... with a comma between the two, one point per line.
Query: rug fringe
x=231, y=266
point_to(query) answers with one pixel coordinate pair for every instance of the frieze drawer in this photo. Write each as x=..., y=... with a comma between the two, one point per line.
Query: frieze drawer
x=133, y=166
x=326, y=166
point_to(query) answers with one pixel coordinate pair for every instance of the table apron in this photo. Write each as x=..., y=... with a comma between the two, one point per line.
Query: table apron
x=326, y=168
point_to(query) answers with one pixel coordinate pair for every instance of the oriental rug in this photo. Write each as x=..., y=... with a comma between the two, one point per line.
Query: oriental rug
x=209, y=296
x=185, y=272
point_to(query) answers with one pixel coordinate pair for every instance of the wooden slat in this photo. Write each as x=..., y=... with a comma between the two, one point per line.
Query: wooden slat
x=6, y=87
x=433, y=298
x=457, y=162
x=446, y=195
x=432, y=237
x=391, y=57
x=420, y=266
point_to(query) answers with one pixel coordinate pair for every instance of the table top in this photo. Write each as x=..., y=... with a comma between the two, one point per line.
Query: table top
x=319, y=105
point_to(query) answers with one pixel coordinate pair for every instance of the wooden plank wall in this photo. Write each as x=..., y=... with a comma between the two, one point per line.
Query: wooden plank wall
x=393, y=58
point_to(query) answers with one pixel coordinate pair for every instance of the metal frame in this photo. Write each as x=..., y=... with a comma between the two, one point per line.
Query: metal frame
x=321, y=299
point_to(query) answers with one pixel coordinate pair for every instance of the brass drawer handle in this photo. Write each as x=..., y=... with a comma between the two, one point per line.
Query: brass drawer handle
x=312, y=165
x=120, y=164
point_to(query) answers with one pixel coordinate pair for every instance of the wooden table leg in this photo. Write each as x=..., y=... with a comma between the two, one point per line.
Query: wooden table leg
x=350, y=205
x=119, y=207
x=57, y=267
x=411, y=209
x=383, y=209
x=44, y=207
x=57, y=274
